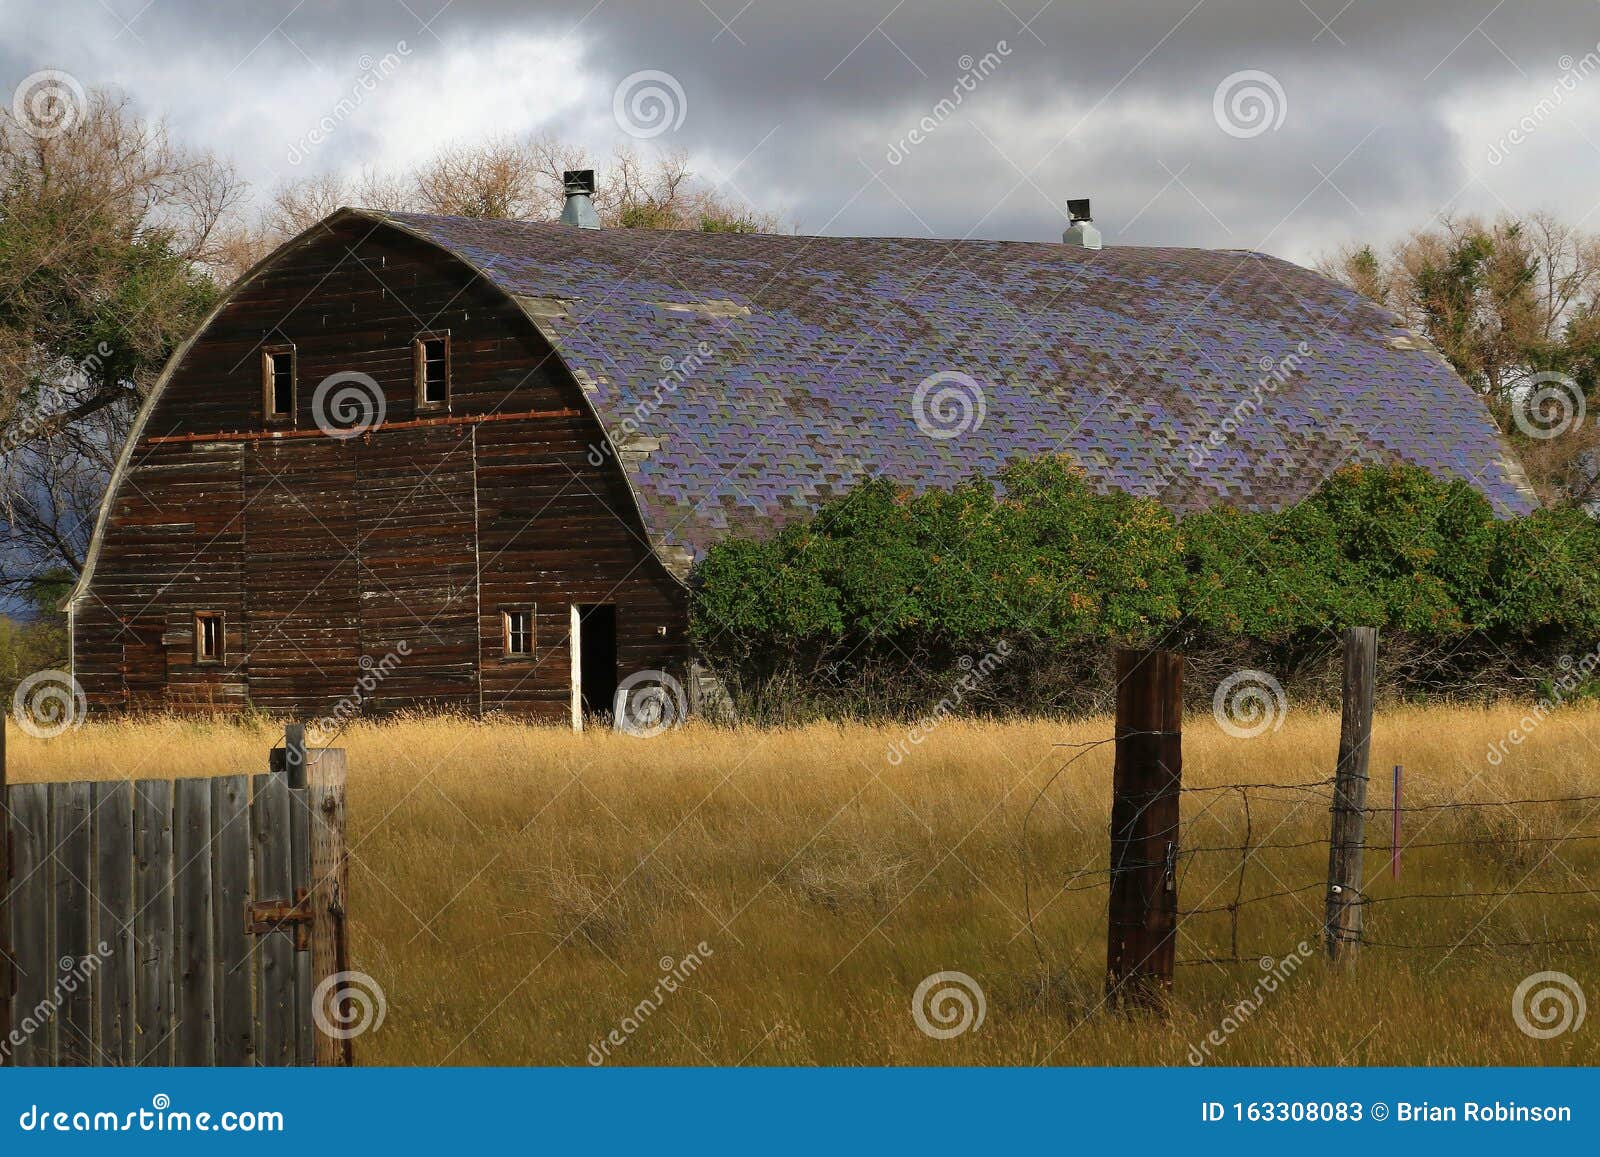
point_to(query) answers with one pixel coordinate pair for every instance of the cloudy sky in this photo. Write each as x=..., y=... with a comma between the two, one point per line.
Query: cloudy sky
x=1290, y=126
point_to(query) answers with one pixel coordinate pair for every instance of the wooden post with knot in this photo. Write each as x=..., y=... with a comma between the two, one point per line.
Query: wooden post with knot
x=1143, y=919
x=1347, y=836
x=340, y=1007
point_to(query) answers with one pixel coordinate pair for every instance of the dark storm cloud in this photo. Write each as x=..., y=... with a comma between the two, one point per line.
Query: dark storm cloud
x=1112, y=99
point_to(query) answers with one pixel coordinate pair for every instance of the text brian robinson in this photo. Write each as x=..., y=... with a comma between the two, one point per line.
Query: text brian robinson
x=1480, y=1111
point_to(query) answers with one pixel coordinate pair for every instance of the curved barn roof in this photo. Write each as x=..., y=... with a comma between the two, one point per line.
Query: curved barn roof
x=745, y=378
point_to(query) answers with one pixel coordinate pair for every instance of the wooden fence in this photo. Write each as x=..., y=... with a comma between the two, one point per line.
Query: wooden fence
x=177, y=922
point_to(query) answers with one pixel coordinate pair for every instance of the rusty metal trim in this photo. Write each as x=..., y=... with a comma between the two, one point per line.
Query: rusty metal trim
x=448, y=420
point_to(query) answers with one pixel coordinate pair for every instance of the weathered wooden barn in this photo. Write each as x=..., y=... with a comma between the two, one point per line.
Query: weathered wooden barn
x=414, y=460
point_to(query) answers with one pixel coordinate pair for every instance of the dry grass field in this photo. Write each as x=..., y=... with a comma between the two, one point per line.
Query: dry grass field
x=517, y=892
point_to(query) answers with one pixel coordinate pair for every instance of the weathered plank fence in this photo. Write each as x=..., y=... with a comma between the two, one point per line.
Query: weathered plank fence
x=176, y=922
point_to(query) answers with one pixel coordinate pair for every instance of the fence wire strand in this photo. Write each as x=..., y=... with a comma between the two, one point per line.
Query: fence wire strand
x=1253, y=839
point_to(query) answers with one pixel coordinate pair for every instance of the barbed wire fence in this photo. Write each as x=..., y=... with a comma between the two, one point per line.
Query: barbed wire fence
x=1244, y=852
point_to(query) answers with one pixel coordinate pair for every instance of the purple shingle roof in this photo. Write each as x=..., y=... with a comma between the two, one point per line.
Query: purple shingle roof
x=746, y=378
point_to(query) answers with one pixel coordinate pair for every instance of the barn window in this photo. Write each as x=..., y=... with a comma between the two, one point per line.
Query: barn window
x=431, y=352
x=208, y=637
x=517, y=627
x=278, y=382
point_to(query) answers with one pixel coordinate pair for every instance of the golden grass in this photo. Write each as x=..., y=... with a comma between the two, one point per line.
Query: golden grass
x=517, y=891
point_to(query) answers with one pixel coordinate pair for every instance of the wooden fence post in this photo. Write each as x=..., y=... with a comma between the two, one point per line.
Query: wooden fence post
x=7, y=975
x=290, y=760
x=1143, y=918
x=325, y=796
x=1342, y=923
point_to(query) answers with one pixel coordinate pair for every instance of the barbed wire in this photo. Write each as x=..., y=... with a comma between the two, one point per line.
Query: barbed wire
x=1454, y=804
x=1477, y=945
x=1234, y=906
x=1369, y=900
x=1477, y=840
x=1251, y=852
x=1307, y=786
x=1239, y=958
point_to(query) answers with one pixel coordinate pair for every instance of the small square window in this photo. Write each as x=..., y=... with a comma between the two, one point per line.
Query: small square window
x=432, y=355
x=517, y=626
x=208, y=637
x=278, y=382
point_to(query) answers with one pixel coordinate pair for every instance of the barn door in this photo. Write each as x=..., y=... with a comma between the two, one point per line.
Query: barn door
x=176, y=922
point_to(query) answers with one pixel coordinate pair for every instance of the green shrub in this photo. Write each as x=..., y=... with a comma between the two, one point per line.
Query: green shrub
x=1041, y=559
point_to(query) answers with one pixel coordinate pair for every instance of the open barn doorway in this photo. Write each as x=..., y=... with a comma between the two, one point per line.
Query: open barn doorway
x=594, y=667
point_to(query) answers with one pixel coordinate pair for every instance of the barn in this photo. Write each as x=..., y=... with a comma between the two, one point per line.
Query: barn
x=467, y=464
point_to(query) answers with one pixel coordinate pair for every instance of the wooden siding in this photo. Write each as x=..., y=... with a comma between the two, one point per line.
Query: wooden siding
x=329, y=557
x=302, y=631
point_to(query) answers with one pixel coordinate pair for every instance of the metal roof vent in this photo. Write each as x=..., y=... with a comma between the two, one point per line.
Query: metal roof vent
x=1080, y=229
x=579, y=207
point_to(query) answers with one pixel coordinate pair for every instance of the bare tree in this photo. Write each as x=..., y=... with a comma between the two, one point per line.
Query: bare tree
x=1506, y=302
x=109, y=237
x=521, y=179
